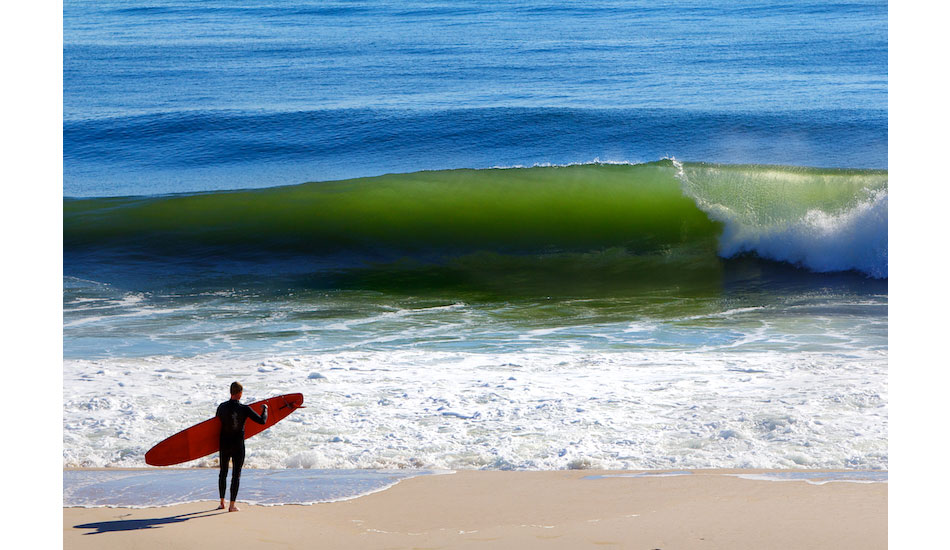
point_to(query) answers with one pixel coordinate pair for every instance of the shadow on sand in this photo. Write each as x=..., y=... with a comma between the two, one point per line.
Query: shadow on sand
x=149, y=523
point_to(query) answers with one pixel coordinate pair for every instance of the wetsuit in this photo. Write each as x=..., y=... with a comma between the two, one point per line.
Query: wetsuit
x=233, y=414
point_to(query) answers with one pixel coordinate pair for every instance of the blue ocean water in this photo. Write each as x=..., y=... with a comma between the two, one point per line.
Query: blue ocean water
x=175, y=96
x=618, y=234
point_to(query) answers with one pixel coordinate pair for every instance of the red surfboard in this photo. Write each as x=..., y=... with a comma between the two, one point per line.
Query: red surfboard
x=202, y=439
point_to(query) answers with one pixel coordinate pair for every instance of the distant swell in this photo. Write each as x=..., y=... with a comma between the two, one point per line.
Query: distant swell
x=147, y=153
x=631, y=219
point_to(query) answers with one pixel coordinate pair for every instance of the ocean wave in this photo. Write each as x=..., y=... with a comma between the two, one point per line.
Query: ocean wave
x=659, y=217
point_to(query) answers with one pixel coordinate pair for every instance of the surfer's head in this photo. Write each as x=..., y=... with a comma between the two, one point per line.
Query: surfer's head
x=236, y=389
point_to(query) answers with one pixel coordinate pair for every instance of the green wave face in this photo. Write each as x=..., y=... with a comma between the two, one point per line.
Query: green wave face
x=575, y=208
x=656, y=225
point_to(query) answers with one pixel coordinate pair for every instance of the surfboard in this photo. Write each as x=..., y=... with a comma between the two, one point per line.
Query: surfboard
x=202, y=438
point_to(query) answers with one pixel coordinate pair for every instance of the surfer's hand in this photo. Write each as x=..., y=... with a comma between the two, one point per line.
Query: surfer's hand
x=264, y=409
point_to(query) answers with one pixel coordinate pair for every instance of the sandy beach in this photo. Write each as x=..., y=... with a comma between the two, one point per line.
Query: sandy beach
x=499, y=509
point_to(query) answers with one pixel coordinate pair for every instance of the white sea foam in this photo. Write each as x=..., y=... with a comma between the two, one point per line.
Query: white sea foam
x=518, y=410
x=727, y=313
x=853, y=239
x=850, y=237
x=818, y=478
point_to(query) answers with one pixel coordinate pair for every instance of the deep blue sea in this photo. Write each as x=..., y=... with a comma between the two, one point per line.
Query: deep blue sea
x=530, y=234
x=174, y=96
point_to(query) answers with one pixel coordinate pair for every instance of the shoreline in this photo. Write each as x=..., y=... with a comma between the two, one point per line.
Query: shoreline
x=522, y=509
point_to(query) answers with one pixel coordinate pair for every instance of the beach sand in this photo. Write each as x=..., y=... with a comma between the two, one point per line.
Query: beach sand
x=518, y=510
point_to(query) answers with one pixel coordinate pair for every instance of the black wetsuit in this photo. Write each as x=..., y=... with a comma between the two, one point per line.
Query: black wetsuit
x=233, y=414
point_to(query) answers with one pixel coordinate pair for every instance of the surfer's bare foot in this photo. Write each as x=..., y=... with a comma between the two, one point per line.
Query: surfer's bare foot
x=221, y=506
x=233, y=508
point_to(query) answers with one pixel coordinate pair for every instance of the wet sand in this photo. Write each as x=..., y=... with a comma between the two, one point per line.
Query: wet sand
x=492, y=509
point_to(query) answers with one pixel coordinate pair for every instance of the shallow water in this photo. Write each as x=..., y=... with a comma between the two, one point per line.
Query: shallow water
x=150, y=488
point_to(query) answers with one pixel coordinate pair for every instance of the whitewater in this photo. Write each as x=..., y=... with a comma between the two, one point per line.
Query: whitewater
x=744, y=403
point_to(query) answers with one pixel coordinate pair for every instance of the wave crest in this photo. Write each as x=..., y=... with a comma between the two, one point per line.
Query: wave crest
x=822, y=220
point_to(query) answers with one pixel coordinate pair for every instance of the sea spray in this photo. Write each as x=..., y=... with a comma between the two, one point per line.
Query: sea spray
x=823, y=220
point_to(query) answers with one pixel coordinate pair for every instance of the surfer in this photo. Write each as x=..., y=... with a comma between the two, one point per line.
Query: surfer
x=233, y=414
